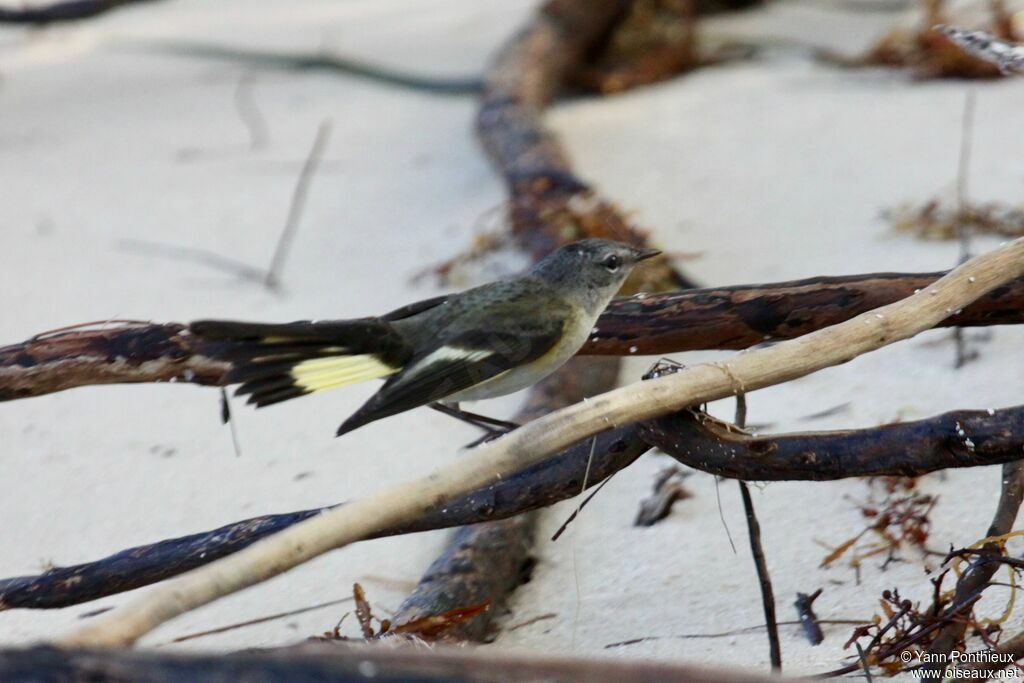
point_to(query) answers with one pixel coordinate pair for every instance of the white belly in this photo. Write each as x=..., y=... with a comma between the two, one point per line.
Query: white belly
x=527, y=375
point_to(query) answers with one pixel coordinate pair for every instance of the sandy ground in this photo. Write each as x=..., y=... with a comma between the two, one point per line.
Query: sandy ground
x=770, y=170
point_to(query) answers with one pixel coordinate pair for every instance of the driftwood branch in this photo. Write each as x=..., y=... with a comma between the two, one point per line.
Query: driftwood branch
x=963, y=438
x=716, y=318
x=696, y=440
x=340, y=663
x=539, y=439
x=108, y=353
x=538, y=486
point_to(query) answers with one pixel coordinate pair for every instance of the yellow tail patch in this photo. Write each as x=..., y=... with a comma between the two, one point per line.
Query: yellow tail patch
x=327, y=373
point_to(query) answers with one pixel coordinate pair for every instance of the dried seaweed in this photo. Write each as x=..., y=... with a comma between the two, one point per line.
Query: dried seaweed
x=428, y=628
x=897, y=516
x=936, y=220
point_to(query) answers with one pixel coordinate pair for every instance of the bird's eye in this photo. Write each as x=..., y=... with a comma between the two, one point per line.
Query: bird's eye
x=612, y=263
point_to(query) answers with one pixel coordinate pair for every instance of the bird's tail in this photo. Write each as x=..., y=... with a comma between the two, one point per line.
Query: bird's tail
x=275, y=362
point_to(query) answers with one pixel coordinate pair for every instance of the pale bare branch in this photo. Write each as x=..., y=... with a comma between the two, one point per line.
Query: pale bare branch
x=537, y=440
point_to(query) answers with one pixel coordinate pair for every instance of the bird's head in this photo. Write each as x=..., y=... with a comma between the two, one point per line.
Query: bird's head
x=594, y=266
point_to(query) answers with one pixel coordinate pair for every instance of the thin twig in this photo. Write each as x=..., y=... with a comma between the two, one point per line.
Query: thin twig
x=963, y=356
x=568, y=520
x=321, y=61
x=206, y=257
x=721, y=515
x=730, y=633
x=864, y=664
x=249, y=112
x=259, y=620
x=764, y=579
x=756, y=549
x=298, y=204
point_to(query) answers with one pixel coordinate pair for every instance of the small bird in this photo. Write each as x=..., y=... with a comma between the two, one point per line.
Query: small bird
x=488, y=341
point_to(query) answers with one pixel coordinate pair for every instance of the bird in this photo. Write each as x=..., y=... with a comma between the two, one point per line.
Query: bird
x=484, y=342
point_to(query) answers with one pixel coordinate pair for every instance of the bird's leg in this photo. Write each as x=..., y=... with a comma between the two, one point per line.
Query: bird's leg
x=492, y=426
x=480, y=421
x=492, y=421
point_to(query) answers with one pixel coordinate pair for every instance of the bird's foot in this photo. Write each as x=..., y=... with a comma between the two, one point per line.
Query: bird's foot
x=493, y=427
x=490, y=435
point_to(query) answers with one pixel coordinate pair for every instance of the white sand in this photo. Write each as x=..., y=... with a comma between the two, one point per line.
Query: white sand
x=770, y=170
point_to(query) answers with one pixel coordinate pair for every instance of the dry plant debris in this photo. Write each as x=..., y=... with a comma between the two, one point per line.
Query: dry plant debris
x=669, y=487
x=937, y=220
x=931, y=54
x=901, y=626
x=428, y=628
x=1006, y=55
x=897, y=517
x=656, y=40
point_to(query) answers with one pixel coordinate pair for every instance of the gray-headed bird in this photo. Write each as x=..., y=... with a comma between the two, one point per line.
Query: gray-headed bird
x=485, y=342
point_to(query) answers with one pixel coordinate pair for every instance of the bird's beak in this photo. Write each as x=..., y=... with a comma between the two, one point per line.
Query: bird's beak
x=643, y=254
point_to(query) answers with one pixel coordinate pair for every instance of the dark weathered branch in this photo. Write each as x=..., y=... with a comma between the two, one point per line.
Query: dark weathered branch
x=62, y=11
x=482, y=564
x=717, y=318
x=965, y=438
x=549, y=204
x=742, y=316
x=108, y=354
x=339, y=663
x=535, y=487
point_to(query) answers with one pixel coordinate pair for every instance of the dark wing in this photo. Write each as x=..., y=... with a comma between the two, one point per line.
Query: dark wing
x=462, y=362
x=415, y=308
